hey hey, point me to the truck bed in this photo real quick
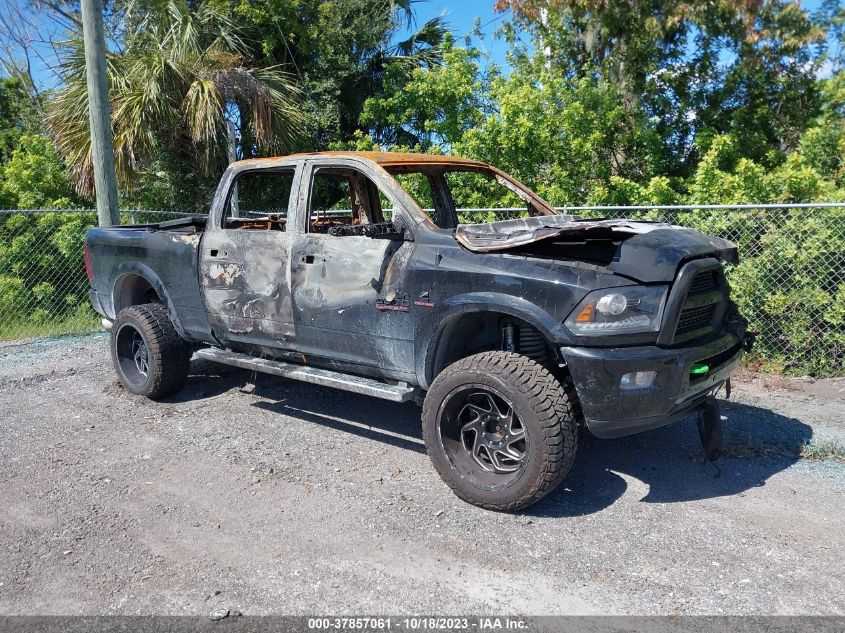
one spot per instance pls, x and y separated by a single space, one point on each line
164 254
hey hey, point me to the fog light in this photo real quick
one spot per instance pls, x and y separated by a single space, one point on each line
637 380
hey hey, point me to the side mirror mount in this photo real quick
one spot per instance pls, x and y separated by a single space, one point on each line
402 232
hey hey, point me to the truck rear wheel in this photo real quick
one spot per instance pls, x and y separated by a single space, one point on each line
500 430
149 356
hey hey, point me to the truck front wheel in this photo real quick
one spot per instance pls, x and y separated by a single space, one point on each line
149 356
500 430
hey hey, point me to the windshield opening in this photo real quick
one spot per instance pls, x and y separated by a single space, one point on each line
453 195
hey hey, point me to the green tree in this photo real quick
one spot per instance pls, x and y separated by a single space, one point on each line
563 136
178 82
823 145
698 69
431 108
35 177
340 50
17 116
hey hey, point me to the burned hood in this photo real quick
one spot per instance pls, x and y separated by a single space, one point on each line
646 251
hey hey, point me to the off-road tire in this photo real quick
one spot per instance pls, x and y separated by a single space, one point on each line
547 414
168 355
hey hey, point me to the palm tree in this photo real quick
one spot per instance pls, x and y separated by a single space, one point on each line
180 81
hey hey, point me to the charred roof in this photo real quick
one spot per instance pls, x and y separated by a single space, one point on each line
384 159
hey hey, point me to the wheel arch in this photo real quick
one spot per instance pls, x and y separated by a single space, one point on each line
132 283
462 314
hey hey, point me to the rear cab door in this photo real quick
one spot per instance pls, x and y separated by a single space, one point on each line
246 250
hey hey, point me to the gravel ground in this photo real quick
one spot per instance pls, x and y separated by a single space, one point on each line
276 497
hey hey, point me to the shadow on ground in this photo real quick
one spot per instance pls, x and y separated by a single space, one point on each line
669 460
207 380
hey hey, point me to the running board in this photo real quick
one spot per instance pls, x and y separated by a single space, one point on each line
400 392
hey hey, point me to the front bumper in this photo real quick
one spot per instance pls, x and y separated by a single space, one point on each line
610 411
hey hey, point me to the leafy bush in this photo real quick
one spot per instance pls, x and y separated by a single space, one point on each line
34 177
790 282
42 276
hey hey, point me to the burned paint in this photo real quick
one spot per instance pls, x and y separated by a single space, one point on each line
223 275
247 293
342 297
192 239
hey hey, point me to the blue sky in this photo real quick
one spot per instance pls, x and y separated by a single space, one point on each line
460 16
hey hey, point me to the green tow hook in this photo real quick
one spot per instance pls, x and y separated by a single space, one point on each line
699 369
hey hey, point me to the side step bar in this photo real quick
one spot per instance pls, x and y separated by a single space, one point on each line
400 392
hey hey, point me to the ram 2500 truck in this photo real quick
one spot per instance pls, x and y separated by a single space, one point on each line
359 271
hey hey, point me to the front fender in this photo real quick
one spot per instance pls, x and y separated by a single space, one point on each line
453 308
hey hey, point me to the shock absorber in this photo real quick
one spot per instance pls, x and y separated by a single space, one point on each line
532 344
508 338
524 339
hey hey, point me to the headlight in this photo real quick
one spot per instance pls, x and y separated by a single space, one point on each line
619 310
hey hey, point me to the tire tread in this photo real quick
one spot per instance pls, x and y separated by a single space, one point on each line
169 354
552 407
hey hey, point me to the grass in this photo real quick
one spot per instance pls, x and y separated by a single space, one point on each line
814 450
823 450
72 324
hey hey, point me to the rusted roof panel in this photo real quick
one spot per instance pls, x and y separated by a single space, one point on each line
385 159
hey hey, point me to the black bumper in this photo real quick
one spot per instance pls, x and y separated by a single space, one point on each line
610 411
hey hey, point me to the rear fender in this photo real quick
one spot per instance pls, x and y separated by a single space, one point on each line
146 273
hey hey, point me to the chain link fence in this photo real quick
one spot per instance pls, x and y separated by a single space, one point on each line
43 285
790 282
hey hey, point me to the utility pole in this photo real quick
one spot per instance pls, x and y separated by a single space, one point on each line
102 150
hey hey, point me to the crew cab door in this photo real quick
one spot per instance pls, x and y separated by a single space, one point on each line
348 272
244 267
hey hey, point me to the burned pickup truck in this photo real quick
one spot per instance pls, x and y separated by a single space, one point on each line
361 271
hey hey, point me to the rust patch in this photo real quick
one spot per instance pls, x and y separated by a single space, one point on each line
223 274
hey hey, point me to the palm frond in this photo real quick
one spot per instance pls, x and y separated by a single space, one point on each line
174 81
424 46
285 98
406 7
275 102
203 112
